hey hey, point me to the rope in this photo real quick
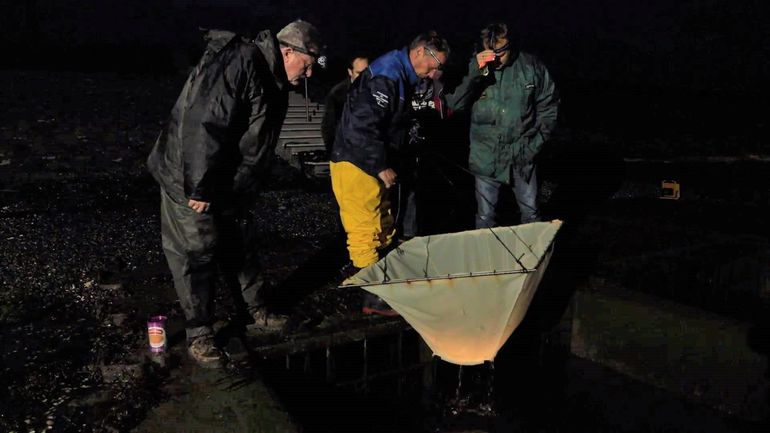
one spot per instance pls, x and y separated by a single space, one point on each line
517 259
484 197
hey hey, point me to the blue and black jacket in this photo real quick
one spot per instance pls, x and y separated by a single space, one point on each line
375 119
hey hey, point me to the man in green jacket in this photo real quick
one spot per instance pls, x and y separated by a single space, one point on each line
514 105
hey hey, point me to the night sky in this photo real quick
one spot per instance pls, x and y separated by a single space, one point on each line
703 56
701 44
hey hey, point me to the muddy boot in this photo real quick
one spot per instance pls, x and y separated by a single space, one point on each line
203 350
267 322
373 304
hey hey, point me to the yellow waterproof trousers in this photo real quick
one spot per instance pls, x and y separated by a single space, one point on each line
365 212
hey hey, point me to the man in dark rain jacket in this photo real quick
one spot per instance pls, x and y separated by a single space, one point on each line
208 162
364 161
335 100
514 108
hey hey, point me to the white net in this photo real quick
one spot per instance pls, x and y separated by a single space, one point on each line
465 292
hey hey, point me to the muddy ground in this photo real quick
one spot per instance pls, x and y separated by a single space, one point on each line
81 268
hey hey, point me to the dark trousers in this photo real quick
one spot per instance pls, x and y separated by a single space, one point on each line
406 198
488 193
409 221
197 247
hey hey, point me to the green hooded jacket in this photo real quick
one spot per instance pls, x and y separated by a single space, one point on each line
513 112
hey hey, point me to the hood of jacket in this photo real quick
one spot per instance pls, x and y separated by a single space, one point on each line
268 44
265 41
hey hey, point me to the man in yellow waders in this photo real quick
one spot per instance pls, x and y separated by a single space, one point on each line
365 156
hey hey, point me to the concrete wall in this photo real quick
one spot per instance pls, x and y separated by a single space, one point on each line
702 356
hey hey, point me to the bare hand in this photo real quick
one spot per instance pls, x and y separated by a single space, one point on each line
198 206
388 176
485 57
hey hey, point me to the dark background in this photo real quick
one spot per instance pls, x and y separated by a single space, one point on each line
85 86
689 67
692 68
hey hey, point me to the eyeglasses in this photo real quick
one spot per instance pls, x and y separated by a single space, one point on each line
320 60
307 66
502 49
440 65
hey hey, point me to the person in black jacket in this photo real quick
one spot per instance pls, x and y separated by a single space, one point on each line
429 110
365 157
336 100
208 162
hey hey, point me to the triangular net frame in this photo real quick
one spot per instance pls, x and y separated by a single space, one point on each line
464 293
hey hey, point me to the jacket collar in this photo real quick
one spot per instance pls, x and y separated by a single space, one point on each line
396 66
403 57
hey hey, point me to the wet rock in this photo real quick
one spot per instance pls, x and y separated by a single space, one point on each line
236 350
118 319
93 399
120 372
111 276
161 360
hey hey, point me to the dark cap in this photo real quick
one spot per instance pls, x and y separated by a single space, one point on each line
303 37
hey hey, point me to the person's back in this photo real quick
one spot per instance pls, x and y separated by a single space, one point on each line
199 154
374 119
335 101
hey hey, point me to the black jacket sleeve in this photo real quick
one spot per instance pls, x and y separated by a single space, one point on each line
258 142
234 112
370 112
469 90
547 104
546 113
205 133
335 101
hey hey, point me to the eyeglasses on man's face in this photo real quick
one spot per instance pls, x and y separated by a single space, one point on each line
500 51
307 63
439 65
315 58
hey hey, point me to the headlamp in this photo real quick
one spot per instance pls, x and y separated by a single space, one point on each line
502 49
319 60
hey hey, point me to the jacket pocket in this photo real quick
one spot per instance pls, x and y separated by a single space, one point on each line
483 112
527 102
